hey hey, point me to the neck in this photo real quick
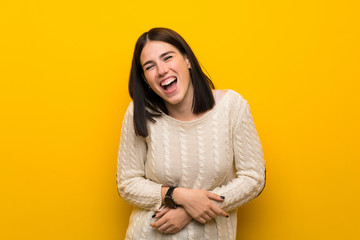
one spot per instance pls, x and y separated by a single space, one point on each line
183 113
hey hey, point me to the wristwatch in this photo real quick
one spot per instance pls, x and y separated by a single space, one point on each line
169 201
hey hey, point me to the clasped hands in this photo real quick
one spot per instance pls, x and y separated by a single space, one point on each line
193 204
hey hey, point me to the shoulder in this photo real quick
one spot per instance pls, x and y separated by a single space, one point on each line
127 120
235 102
232 97
130 110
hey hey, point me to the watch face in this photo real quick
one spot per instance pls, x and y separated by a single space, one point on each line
169 202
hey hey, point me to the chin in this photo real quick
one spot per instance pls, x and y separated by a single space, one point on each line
174 101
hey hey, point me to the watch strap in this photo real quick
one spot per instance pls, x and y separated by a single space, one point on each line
170 191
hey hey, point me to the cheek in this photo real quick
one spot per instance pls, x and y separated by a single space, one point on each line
148 78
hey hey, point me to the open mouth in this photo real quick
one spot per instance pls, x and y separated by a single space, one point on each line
169 84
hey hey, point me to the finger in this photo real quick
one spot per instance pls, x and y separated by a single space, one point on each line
207 218
201 220
158 223
172 230
169 230
215 197
212 214
163 228
162 212
219 211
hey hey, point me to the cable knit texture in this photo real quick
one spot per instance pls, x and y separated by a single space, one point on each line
219 152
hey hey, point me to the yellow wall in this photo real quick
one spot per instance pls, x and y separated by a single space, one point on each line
64 67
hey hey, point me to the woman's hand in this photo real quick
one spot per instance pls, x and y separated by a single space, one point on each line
198 203
171 220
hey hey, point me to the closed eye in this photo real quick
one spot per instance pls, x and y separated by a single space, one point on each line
148 67
168 57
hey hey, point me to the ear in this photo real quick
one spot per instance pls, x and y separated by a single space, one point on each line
187 62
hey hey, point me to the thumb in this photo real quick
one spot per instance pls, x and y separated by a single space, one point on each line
214 196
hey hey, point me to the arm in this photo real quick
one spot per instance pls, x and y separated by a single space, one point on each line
197 203
132 185
171 221
249 164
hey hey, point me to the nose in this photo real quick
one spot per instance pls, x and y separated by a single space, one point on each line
162 68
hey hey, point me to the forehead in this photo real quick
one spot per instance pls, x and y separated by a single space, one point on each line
153 49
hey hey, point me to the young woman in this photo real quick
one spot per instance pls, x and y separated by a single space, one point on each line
188 155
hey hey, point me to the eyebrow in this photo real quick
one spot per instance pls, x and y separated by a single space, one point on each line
161 56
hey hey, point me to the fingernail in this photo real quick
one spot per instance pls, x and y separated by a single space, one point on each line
227 216
222 197
153 215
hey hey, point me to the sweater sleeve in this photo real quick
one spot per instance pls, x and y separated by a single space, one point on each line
132 185
249 163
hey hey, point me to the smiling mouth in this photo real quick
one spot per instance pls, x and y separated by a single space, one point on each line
169 83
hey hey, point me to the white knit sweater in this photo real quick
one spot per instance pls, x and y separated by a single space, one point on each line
218 152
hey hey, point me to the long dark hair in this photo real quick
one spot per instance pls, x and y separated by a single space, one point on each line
147 104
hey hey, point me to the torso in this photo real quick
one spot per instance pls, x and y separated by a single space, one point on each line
192 154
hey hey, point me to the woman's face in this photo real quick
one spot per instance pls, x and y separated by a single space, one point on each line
166 71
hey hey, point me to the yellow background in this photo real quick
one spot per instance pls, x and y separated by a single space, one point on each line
64 67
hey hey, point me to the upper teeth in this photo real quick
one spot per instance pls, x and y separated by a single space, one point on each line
168 81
